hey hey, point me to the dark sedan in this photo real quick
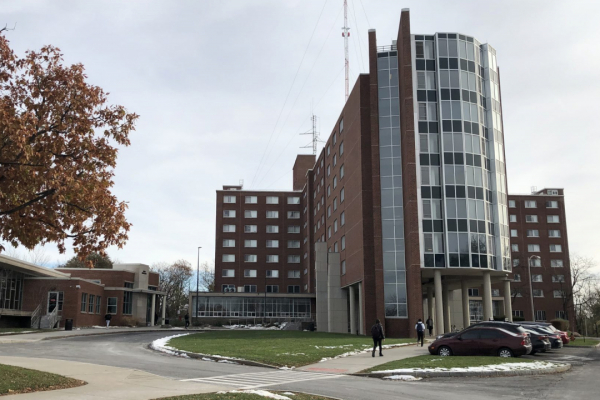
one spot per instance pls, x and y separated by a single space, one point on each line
483 341
539 341
554 338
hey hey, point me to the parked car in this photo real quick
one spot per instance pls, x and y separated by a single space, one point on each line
509 326
563 335
539 341
555 339
483 341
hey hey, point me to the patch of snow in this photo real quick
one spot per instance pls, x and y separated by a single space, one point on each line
365 350
289 393
10 333
226 362
262 393
207 359
484 368
407 378
287 368
256 327
161 345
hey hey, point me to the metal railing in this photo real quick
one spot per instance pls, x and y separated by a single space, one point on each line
36 317
53 318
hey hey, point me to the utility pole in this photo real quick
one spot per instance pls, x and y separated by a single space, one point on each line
315 135
197 283
531 285
346 34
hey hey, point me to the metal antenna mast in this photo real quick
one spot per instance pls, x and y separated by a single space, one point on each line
315 135
346 34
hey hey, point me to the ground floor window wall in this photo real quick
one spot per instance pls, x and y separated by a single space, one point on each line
476 309
11 289
251 307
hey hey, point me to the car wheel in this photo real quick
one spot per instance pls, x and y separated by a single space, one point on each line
533 352
444 351
505 352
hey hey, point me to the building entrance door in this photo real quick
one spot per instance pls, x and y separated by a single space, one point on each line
52 302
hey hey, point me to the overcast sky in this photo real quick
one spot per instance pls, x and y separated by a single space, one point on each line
209 80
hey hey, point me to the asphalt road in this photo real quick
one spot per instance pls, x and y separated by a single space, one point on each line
130 351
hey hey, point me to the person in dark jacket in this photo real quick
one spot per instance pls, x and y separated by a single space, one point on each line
107 318
187 320
429 324
420 328
378 337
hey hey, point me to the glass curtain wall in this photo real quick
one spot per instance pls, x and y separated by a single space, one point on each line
11 289
251 307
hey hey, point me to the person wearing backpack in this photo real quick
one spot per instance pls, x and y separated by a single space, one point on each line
378 337
420 327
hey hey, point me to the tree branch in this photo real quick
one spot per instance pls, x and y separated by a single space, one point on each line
41 196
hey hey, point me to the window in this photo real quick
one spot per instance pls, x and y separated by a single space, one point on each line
531 218
329 232
228 273
341 149
342 195
111 305
334 182
272 200
294 274
91 304
558 278
293 200
556 263
335 247
513 218
516 262
552 219
250 243
473 292
98 303
272 229
293 244
228 242
495 292
293 288
328 170
228 213
249 273
514 247
533 248
342 219
343 240
293 229
535 262
555 233
272 288
536 278
344 267
342 172
511 204
228 288
517 278
293 259
555 248
518 313
251 199
83 302
328 211
516 293
250 257
341 126
229 228
272 214
335 225
250 229
228 258
552 192
272 273
552 204
540 315
513 233
272 244
328 149
250 214
250 288
533 233
538 293
127 303
530 204
229 199
128 285
334 160
293 214
273 258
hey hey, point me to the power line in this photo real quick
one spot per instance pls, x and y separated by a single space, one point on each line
288 94
278 179
365 11
358 37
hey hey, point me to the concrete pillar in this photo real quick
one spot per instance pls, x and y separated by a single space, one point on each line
337 298
152 310
351 293
439 309
507 303
446 301
164 310
361 325
466 311
487 296
430 303
321 286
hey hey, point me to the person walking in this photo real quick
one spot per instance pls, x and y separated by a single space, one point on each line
187 320
420 327
107 318
429 324
378 337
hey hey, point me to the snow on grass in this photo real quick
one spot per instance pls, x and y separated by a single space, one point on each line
535 365
408 378
161 345
258 327
367 349
262 393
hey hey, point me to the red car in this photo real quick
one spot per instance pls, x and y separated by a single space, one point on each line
485 341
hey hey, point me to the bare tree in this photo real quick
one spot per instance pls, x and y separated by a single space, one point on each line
174 280
207 277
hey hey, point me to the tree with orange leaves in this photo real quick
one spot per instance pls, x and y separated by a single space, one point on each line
58 139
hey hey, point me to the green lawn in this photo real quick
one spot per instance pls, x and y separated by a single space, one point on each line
279 348
579 342
21 380
443 362
242 396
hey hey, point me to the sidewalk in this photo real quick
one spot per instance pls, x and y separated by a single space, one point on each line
105 382
360 362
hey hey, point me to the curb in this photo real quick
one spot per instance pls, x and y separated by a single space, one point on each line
105 333
474 374
203 357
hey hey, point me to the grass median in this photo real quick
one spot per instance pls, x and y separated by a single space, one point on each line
423 362
579 342
279 348
246 396
15 380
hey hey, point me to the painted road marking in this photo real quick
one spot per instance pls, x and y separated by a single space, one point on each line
254 380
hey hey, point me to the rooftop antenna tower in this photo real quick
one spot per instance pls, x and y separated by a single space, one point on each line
315 135
346 34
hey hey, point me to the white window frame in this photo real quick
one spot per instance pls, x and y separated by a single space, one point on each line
251 200
229 199
228 273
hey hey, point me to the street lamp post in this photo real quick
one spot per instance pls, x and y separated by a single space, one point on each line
531 284
197 283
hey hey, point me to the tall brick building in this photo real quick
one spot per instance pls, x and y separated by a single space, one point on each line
403 211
